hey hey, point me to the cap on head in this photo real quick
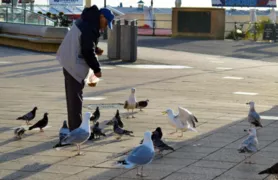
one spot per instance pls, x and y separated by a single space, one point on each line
109 16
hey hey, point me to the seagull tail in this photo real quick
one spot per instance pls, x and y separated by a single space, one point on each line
196 119
60 145
125 164
264 171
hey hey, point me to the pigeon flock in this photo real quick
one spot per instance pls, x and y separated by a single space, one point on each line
152 142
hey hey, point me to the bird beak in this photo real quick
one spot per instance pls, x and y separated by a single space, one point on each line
164 112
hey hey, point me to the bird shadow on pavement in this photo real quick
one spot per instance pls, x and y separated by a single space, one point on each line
27 171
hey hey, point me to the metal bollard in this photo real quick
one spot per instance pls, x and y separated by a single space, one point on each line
129 41
114 41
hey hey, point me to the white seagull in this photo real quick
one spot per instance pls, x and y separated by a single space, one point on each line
80 135
141 155
131 102
182 121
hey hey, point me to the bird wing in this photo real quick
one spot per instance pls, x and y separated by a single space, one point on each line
254 116
187 118
119 131
140 155
76 136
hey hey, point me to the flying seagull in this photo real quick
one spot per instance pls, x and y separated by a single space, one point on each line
182 121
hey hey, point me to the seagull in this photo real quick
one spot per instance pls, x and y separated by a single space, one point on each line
41 123
253 117
131 102
18 132
140 156
64 132
117 118
142 104
272 170
29 116
157 141
79 135
182 121
251 143
95 116
120 132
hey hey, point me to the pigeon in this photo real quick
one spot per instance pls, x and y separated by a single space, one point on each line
253 117
140 156
117 118
157 141
131 102
182 121
95 116
18 132
64 131
29 116
41 123
272 170
142 104
250 144
120 132
96 132
79 135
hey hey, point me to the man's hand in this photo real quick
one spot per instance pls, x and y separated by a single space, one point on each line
99 51
98 74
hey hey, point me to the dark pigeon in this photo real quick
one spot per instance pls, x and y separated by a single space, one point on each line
95 115
29 116
41 123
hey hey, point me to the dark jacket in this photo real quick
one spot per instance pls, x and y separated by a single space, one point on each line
88 24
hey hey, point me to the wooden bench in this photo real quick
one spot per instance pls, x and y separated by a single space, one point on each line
33 37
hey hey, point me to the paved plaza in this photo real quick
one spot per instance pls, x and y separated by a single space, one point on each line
213 87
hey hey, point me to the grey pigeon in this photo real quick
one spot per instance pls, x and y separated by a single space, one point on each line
79 135
142 104
96 132
253 117
157 141
117 118
64 132
272 170
119 131
29 116
18 132
41 123
95 115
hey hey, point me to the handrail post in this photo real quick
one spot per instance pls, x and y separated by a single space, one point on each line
7 14
24 14
153 27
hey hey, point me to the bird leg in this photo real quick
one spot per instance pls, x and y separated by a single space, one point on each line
132 113
181 134
174 132
78 151
127 113
41 130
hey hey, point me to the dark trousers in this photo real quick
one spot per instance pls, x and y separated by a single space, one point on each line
74 98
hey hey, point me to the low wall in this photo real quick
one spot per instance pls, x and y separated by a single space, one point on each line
33 37
205 23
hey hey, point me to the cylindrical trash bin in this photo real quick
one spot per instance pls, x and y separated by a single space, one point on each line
114 41
129 41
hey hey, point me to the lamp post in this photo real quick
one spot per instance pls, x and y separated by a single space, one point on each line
153 18
105 30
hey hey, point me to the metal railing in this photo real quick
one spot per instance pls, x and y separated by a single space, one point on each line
244 31
23 16
154 27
